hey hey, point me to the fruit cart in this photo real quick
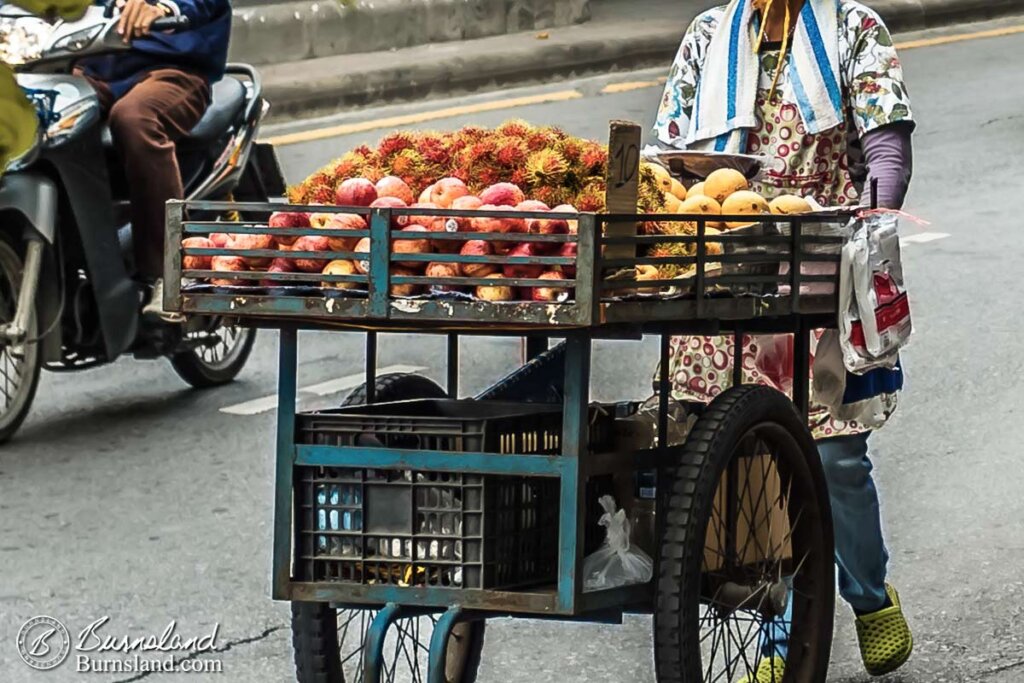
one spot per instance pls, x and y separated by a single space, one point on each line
410 515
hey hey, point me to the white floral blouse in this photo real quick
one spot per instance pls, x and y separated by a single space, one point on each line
827 166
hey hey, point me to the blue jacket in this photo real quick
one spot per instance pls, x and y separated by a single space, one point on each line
202 49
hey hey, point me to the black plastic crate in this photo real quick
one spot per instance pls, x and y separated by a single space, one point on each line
417 528
411 528
440 424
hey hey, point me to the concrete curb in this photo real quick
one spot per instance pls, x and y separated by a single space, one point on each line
305 29
330 85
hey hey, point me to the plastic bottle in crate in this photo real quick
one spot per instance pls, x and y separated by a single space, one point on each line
642 520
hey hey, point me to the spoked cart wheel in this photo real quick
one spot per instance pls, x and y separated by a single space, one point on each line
329 641
747 539
329 645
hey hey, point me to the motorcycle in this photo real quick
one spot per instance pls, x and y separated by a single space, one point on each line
68 300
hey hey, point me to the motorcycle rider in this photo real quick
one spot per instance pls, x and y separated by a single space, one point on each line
153 95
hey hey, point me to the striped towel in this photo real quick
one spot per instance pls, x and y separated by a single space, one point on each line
727 90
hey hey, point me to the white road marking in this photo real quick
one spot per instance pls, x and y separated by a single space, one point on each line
923 237
253 407
267 403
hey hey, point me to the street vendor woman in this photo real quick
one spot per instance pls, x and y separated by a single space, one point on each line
816 88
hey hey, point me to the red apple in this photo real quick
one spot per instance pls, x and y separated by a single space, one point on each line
220 239
356 192
397 222
311 243
393 186
197 262
443 270
495 224
278 265
363 247
431 223
523 270
477 248
242 241
566 208
456 224
344 221
548 226
320 220
532 205
403 290
447 190
503 194
497 291
290 221
400 246
228 264
550 293
568 250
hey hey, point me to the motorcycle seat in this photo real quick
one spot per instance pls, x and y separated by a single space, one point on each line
227 98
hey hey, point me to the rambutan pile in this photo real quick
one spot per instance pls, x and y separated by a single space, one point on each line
544 161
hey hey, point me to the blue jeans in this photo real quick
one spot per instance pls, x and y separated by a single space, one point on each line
861 557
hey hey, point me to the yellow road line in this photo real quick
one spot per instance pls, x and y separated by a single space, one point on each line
561 96
960 37
628 86
421 117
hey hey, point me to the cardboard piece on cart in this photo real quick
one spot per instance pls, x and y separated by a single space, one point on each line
623 186
761 498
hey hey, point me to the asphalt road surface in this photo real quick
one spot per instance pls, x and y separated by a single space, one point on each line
128 495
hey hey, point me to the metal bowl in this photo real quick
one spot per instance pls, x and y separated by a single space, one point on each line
688 164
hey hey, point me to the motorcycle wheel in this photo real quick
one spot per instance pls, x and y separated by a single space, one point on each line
217 360
19 363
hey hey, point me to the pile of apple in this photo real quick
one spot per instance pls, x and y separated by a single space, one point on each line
393 192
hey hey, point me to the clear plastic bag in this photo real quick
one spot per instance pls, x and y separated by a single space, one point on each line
617 562
874 309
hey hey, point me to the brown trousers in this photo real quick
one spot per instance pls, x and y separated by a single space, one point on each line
145 124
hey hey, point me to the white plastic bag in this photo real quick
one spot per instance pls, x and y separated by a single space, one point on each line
829 386
617 562
874 309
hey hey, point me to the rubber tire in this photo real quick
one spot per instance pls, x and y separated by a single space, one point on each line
693 484
315 624
193 370
14 424
397 386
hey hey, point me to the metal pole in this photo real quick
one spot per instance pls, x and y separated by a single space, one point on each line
286 390
371 367
453 366
439 645
737 356
802 368
373 651
575 447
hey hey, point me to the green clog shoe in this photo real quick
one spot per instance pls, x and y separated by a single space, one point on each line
884 637
768 671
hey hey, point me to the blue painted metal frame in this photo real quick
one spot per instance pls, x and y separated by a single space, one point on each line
373 650
283 520
439 645
566 600
441 461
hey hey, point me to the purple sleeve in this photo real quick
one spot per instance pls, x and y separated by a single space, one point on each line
890 160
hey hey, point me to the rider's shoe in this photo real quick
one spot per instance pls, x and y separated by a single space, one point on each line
885 638
770 670
155 307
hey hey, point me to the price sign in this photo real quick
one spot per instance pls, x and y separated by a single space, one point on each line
623 183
